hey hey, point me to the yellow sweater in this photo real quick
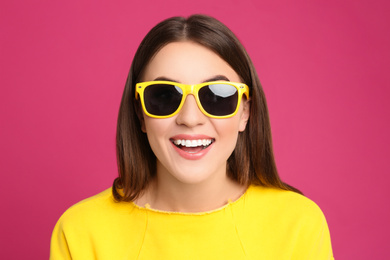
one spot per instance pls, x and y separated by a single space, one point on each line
264 223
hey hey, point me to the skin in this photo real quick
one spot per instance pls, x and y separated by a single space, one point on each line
183 184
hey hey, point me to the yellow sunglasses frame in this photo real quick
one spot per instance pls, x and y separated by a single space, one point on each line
193 90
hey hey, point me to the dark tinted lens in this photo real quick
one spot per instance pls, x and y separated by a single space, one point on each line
162 99
219 99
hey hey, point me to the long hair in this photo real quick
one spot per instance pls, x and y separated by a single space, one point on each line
252 161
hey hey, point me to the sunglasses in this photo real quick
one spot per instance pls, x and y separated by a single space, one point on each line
217 99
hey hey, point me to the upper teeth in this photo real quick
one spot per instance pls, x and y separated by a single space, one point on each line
192 143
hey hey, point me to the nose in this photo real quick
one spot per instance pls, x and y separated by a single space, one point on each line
190 114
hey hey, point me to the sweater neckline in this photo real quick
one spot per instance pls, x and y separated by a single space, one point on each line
229 203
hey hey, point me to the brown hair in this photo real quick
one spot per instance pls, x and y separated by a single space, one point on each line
252 161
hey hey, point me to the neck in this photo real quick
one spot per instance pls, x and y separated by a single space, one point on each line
184 197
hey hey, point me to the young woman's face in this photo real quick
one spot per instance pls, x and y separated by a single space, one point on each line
190 63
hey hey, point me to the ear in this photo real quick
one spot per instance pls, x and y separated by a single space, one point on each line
245 115
140 115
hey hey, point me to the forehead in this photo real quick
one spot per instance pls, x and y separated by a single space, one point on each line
187 62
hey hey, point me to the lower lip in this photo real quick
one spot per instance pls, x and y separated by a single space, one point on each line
192 156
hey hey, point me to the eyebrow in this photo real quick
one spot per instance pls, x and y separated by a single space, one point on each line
214 78
164 79
217 78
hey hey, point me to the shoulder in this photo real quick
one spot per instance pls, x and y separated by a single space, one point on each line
284 214
284 219
279 197
96 225
283 204
93 203
91 210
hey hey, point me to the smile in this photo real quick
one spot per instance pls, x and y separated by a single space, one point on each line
192 147
204 143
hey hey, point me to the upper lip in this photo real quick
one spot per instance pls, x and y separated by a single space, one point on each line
190 137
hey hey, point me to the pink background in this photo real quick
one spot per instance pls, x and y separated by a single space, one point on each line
324 67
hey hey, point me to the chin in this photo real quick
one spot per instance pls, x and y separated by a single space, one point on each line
193 176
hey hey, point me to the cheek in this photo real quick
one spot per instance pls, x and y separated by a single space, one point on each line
153 124
154 132
228 129
157 131
150 127
228 135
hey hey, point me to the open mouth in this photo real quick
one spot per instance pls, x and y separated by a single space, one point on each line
192 146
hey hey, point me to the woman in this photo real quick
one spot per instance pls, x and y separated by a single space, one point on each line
197 177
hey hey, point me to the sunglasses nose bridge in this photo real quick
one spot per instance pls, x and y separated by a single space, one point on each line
189 90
